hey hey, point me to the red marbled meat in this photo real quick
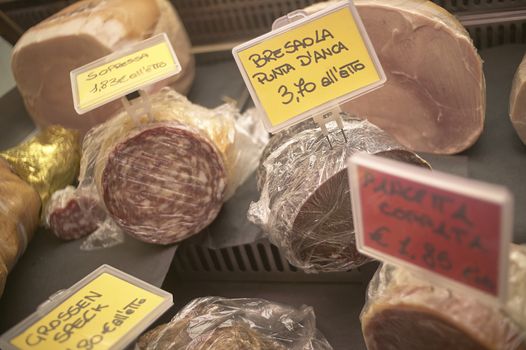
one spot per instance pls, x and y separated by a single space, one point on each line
164 183
72 215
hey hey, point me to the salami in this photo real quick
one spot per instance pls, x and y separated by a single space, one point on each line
432 102
160 177
305 205
72 215
404 312
164 183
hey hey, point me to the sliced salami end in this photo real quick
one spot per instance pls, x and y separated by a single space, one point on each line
72 215
164 183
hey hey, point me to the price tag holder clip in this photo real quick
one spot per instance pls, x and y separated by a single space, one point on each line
334 115
288 19
137 104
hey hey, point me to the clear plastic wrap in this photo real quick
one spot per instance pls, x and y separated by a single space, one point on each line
215 323
407 313
162 177
251 138
305 204
432 102
19 218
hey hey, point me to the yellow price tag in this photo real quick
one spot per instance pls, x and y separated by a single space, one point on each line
123 72
309 66
107 312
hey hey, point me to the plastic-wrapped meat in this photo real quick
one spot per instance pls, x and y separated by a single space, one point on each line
305 204
72 215
237 336
518 101
214 323
79 34
434 99
404 312
163 177
159 177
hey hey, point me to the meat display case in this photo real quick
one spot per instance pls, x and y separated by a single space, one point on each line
256 268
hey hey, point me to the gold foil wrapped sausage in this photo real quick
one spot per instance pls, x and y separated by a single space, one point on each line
48 161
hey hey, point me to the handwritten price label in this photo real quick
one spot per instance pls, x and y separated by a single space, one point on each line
309 65
455 230
108 312
123 72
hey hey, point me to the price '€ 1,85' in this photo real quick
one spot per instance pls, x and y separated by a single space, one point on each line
321 60
451 227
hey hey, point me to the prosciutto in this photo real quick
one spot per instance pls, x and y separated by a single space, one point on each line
434 99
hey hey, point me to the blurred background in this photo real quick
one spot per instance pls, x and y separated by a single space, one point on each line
6 78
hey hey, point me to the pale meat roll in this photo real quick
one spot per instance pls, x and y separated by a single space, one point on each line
79 34
434 99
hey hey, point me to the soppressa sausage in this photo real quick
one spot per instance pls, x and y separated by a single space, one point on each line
164 183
